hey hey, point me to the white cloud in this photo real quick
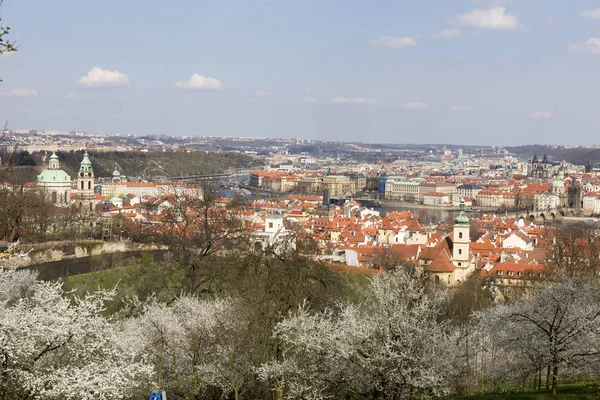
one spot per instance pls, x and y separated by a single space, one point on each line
591 46
494 18
393 42
461 107
21 92
541 115
590 14
103 78
355 100
309 100
446 33
413 106
199 82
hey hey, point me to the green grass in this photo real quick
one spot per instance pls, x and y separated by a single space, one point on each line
91 282
584 391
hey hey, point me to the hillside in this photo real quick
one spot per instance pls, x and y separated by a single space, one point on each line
576 155
144 165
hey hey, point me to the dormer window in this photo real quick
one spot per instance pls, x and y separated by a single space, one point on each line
521 273
511 273
500 273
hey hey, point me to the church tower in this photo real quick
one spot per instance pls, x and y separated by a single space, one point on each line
558 185
462 239
85 185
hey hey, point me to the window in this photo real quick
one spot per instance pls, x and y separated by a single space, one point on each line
511 273
460 235
500 273
270 224
81 185
459 251
89 184
54 197
521 273
460 264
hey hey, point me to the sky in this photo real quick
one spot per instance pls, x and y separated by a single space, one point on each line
481 72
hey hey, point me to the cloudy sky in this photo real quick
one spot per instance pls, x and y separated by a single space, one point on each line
397 71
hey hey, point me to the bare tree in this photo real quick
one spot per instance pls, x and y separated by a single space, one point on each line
574 251
6 45
560 319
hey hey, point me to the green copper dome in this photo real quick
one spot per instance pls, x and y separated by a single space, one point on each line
54 176
461 218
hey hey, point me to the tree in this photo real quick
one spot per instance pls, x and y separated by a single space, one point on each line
574 251
6 45
57 348
193 345
388 258
560 319
471 296
390 347
197 232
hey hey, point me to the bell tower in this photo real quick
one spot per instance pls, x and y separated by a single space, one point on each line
462 239
85 185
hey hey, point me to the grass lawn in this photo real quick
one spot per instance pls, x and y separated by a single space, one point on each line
583 391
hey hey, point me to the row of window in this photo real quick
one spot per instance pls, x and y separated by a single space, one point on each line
519 274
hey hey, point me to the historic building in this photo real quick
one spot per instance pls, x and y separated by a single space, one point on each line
58 185
451 261
55 183
540 169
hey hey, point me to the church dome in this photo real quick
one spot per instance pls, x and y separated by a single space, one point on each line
54 176
116 173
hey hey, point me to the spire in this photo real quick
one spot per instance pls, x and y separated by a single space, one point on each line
545 159
534 159
461 218
86 164
53 161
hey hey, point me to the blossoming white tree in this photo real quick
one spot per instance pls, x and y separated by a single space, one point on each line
193 345
54 347
390 347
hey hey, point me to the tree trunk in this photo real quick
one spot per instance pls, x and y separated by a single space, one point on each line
554 381
548 378
539 380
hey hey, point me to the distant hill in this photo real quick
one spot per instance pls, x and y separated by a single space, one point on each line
577 155
136 164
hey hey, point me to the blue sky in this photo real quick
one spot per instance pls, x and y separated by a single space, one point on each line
420 71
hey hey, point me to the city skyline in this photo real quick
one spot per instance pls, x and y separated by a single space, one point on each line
465 72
